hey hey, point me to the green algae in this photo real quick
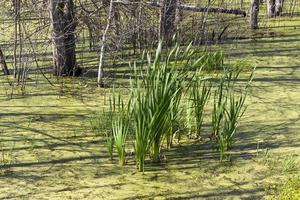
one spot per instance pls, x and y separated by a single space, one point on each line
48 150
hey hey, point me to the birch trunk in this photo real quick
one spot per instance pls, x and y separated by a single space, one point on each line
103 44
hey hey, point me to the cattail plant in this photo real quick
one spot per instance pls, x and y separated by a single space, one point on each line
145 121
220 99
175 113
161 99
156 100
120 126
120 131
228 110
212 61
233 112
226 82
161 89
175 109
200 92
110 144
113 106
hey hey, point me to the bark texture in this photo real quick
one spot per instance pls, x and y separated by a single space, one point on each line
167 21
278 7
63 37
271 8
254 14
274 8
3 63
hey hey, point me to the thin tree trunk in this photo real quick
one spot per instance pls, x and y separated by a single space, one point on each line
178 19
117 20
271 8
134 21
35 54
3 63
89 26
20 34
203 24
103 44
278 7
167 21
254 14
16 20
292 7
140 40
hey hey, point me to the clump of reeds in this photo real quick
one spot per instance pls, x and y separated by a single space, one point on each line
228 108
199 96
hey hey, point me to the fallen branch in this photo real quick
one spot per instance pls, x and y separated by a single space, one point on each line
205 9
190 8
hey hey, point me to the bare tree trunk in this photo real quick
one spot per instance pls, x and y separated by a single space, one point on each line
292 7
201 36
3 63
271 8
63 37
57 20
117 20
87 22
134 21
69 35
20 34
167 21
278 7
103 44
71 67
16 6
254 14
178 22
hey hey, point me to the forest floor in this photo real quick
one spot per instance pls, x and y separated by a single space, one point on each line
47 150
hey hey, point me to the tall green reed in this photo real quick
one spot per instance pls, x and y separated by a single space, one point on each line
199 96
220 99
120 126
174 118
229 107
156 100
233 112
